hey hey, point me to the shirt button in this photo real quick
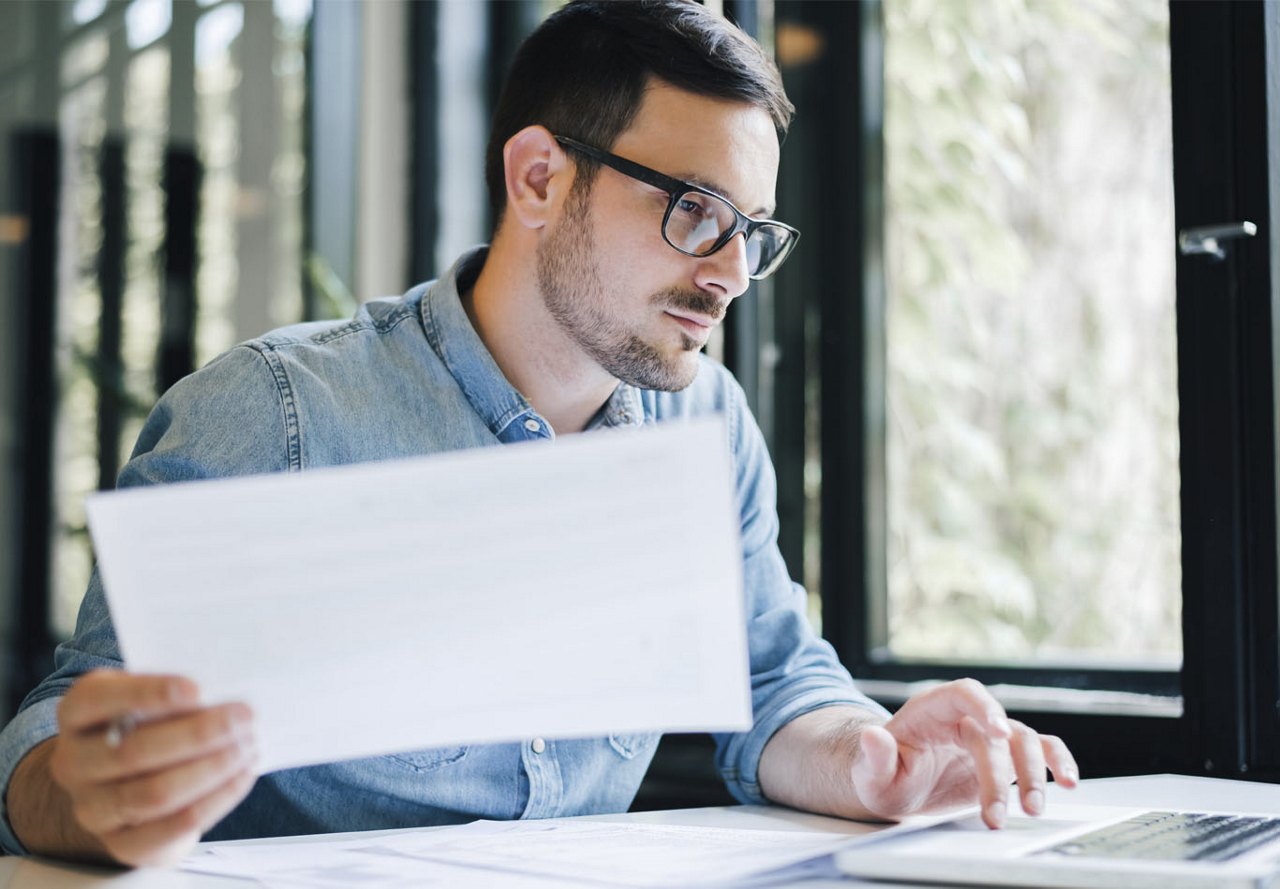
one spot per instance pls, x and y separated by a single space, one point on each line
538 745
533 426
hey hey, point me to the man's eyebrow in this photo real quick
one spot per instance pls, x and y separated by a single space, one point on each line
724 193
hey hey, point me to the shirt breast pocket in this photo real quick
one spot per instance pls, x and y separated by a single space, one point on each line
631 746
429 760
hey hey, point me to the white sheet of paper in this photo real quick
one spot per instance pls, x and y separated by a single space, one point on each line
536 853
639 855
322 864
568 589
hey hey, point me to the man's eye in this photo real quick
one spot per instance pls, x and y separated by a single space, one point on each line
691 208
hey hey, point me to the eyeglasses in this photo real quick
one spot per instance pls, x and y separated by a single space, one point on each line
699 222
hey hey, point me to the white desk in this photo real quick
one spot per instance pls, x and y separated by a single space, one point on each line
1154 790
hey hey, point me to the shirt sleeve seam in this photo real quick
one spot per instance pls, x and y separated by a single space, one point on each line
288 403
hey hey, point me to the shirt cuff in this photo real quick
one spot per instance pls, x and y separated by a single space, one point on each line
743 780
36 723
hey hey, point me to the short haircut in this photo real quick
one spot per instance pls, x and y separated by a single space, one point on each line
583 74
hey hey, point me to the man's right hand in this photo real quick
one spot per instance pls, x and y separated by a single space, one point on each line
142 797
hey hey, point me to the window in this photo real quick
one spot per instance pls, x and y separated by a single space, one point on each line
1031 417
156 161
1039 441
147 227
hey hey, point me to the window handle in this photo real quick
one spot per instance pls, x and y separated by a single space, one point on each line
1206 239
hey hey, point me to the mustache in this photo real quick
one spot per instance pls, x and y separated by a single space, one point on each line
695 301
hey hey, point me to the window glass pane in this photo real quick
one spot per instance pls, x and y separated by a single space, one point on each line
85 58
82 12
146 119
288 165
147 21
250 127
1032 398
75 460
249 90
218 137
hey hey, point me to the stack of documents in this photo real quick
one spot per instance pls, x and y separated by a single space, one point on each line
539 855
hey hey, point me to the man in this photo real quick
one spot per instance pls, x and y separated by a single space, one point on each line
632 165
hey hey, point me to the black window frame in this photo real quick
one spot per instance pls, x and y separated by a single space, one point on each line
1230 680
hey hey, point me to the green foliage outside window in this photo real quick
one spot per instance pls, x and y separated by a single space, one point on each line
1032 394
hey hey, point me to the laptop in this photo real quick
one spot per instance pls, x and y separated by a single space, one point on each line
1083 846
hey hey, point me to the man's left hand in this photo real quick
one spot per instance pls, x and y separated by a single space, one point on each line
950 746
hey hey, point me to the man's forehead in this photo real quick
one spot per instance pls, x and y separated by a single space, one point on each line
724 146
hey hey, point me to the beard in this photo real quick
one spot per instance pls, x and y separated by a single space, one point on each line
575 297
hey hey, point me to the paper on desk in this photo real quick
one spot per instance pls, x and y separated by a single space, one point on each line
571 589
521 854
325 864
617 854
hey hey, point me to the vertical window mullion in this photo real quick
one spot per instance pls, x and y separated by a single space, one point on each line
824 177
37 180
1255 32
1222 396
425 161
111 264
181 184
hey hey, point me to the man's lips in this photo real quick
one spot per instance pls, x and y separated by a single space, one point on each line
694 323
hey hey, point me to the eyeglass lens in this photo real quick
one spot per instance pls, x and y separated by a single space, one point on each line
698 221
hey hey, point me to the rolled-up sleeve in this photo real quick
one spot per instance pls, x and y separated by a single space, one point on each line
92 647
793 671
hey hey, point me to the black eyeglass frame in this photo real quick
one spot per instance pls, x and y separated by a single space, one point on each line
676 189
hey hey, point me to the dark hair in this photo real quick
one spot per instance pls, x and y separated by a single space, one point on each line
583 73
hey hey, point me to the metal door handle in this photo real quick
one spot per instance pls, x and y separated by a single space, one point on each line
1206 239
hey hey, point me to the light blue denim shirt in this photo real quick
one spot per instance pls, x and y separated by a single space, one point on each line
406 377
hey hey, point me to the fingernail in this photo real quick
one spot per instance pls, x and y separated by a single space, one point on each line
1071 775
1033 802
995 814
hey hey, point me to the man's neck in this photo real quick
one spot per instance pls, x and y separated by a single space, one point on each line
545 365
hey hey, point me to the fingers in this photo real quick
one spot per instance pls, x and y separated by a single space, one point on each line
160 744
1026 755
992 768
158 795
1060 761
167 840
952 744
103 695
148 793
1033 754
876 764
1029 765
947 705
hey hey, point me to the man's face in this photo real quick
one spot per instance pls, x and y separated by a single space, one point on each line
636 306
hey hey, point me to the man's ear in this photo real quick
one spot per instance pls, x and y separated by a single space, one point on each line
538 175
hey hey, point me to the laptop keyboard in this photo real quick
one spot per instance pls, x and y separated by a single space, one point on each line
1173 836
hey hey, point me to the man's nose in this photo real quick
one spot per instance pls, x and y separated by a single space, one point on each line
726 269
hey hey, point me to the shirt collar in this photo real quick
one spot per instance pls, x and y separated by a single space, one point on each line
506 412
623 408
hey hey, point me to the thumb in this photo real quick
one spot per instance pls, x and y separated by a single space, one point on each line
876 762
